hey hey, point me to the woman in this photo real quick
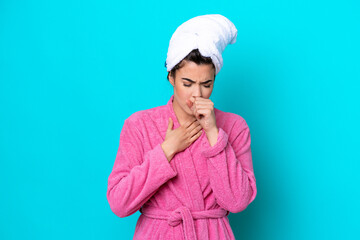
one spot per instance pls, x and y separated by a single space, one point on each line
186 165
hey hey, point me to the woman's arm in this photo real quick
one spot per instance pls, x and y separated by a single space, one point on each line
136 175
230 168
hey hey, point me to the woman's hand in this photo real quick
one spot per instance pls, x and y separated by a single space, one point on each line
203 110
179 139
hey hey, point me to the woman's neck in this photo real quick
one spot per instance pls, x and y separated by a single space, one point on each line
181 115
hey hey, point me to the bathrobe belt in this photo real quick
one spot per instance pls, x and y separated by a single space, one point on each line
184 214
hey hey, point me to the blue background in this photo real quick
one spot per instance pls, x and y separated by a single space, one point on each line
71 72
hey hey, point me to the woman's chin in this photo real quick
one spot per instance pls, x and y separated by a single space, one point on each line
190 113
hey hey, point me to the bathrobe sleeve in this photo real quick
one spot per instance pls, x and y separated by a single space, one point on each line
230 168
136 175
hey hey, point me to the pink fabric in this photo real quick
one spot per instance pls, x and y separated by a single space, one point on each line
198 188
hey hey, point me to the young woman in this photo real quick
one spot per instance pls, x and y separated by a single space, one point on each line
186 165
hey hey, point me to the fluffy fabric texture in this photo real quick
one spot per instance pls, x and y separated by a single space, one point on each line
209 33
190 197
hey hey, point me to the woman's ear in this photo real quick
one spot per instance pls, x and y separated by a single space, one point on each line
171 80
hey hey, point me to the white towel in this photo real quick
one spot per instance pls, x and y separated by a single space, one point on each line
209 33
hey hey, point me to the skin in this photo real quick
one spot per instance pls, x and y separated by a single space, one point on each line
193 108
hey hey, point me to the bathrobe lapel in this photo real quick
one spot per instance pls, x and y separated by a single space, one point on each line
190 193
192 184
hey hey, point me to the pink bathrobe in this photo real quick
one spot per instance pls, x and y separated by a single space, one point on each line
190 197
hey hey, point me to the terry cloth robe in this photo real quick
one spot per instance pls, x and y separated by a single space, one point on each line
190 197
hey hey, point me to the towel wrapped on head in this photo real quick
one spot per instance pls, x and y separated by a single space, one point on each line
209 33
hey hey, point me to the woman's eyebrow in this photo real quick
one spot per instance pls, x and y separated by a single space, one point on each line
194 81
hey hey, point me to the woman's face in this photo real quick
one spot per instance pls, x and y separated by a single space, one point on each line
192 80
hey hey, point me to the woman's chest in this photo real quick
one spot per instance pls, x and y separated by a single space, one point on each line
189 163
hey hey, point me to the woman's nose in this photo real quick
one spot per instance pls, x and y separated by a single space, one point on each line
197 91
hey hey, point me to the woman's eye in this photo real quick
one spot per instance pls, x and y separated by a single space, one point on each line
189 85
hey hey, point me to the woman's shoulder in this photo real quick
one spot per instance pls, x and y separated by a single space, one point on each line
229 119
145 115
